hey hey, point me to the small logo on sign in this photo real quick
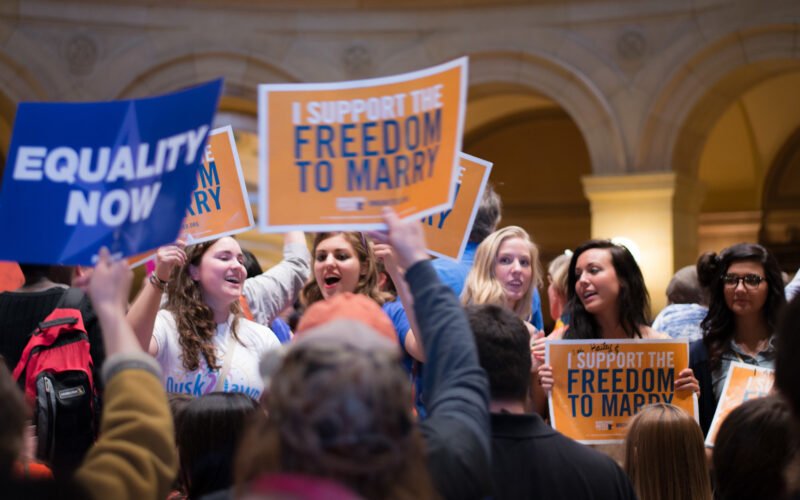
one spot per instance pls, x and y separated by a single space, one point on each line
351 204
603 425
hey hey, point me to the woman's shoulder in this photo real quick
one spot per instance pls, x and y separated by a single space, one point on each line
255 332
650 334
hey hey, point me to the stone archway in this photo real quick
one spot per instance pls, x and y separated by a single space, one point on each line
694 99
570 90
242 75
780 219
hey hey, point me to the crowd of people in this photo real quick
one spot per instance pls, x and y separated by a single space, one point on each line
405 377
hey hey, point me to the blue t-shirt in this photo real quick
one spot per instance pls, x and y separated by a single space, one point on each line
281 330
454 274
397 314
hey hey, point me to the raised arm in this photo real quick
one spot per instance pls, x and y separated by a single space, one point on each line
412 345
278 287
135 455
455 386
143 311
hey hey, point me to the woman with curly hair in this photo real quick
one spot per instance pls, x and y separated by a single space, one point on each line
747 295
200 337
505 273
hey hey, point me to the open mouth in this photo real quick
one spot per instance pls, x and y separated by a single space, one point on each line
332 280
233 279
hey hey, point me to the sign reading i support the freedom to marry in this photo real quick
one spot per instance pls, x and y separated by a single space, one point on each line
448 231
332 155
744 382
117 174
219 204
599 385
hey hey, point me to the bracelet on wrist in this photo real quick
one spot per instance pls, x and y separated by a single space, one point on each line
158 282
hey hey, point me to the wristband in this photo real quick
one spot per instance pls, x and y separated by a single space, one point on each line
157 282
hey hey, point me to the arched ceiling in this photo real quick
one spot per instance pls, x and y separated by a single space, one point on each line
744 142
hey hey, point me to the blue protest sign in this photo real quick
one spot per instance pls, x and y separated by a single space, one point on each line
118 174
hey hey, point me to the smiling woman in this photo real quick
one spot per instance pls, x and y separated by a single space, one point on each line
505 272
200 338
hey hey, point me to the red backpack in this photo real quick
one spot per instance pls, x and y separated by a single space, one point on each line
55 371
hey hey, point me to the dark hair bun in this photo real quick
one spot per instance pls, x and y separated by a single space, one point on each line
707 268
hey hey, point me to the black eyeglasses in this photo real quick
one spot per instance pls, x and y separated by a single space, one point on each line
750 281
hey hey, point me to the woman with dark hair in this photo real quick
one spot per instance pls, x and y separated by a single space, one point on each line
606 299
200 338
210 430
746 297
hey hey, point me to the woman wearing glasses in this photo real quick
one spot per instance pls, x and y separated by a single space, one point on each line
746 297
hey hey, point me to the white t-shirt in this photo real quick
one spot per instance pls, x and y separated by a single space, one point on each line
243 376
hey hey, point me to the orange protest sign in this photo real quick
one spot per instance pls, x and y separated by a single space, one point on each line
744 382
601 384
220 205
447 232
332 155
11 276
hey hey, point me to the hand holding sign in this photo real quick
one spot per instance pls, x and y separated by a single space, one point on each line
406 237
167 257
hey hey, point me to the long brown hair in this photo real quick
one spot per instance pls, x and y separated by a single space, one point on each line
193 318
367 281
664 455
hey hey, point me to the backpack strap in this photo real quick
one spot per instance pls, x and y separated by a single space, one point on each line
72 299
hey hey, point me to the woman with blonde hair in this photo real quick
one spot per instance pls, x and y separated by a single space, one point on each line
557 272
505 272
664 455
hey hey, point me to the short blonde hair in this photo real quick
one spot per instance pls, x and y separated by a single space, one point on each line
558 269
482 286
665 456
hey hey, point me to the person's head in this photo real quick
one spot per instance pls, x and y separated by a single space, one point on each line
753 446
13 415
557 273
744 281
251 264
209 284
34 273
211 428
604 279
343 262
505 271
684 288
665 455
787 356
787 375
339 406
350 306
503 344
488 215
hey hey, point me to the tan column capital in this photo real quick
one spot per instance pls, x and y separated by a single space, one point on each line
657 211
